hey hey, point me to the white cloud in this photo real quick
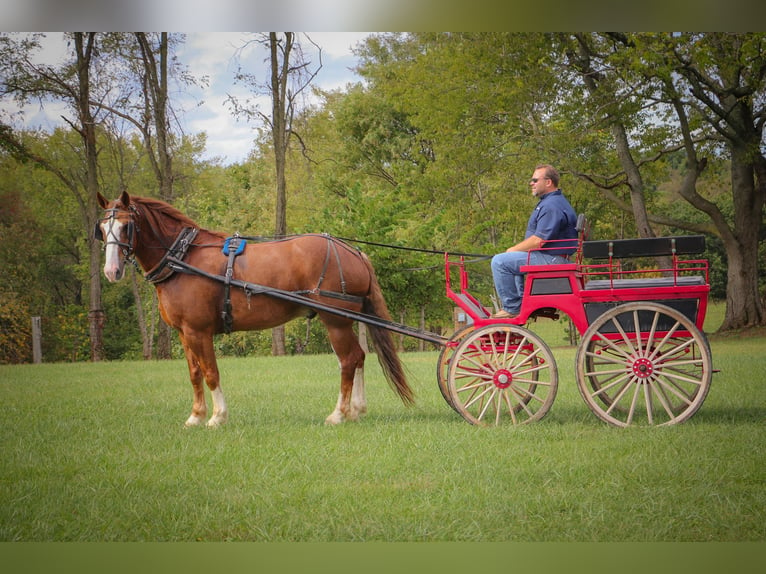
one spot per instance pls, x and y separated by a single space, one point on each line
218 56
337 44
215 55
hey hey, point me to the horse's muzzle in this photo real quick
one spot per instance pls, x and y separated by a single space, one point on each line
113 272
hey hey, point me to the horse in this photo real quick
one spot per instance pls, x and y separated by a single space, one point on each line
198 300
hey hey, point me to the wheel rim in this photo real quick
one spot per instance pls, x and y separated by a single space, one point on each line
643 363
502 374
446 354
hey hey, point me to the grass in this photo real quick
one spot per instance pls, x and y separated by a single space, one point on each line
98 452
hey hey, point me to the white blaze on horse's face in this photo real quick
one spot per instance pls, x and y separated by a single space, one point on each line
112 231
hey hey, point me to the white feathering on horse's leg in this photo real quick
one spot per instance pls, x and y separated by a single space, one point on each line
220 412
358 399
336 417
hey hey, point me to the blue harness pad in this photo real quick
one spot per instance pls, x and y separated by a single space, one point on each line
240 246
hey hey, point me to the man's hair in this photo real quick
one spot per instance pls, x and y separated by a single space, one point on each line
550 173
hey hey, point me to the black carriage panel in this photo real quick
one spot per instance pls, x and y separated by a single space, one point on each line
644 247
551 286
594 310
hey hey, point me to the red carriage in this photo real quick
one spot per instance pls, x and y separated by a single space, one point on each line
642 358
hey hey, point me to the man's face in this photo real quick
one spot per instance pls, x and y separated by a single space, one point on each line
539 183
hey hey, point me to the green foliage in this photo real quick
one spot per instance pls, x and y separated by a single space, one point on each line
15 329
432 151
66 336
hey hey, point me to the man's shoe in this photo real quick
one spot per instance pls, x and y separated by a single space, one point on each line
503 314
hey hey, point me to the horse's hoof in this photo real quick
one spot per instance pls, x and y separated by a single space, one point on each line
352 416
215 422
359 409
334 419
193 421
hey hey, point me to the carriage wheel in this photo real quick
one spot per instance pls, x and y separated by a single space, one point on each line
643 363
445 356
502 374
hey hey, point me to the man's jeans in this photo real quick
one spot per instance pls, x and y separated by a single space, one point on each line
509 281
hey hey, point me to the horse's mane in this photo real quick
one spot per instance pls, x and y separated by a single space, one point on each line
154 210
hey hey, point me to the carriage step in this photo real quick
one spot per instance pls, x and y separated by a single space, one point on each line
545 313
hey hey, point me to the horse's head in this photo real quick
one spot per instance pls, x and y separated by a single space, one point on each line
117 229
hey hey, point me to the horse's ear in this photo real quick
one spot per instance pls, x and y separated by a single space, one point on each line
102 201
125 199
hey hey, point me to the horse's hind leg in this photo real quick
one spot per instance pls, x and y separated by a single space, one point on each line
351 399
203 367
358 400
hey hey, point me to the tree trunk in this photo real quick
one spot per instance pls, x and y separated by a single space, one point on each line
744 307
156 90
280 136
636 186
146 343
84 47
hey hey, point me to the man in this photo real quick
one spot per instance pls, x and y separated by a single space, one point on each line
552 219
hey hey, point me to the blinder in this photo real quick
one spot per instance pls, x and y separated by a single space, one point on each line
130 229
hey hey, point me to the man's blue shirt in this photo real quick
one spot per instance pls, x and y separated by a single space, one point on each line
554 218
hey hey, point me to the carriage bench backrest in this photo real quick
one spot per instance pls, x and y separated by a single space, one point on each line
644 247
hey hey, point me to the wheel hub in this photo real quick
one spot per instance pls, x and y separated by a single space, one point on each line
502 378
643 368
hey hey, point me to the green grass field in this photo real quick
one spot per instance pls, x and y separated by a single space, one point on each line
98 452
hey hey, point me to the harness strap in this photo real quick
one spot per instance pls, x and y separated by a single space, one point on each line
162 271
340 269
234 246
331 247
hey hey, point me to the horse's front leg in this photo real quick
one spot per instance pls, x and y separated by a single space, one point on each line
203 367
199 406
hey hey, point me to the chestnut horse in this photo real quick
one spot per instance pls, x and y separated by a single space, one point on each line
324 269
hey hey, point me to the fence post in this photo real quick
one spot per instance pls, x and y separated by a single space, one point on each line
37 335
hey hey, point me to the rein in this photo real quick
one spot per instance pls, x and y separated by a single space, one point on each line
267 238
477 256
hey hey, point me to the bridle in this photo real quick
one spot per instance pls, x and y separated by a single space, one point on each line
131 230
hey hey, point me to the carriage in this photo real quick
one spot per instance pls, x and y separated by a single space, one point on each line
642 359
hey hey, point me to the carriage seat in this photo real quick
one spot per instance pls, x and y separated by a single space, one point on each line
688 281
645 247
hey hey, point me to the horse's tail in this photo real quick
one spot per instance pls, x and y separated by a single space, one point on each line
375 304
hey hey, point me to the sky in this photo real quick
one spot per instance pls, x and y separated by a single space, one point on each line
213 55
218 55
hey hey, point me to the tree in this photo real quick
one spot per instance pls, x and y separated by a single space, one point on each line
705 95
290 75
72 83
116 89
147 66
725 75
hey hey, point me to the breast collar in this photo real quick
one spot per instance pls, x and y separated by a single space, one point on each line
161 272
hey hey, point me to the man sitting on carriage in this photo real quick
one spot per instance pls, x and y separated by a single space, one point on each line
552 223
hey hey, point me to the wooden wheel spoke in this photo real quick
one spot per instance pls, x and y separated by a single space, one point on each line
660 377
625 378
502 374
676 390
